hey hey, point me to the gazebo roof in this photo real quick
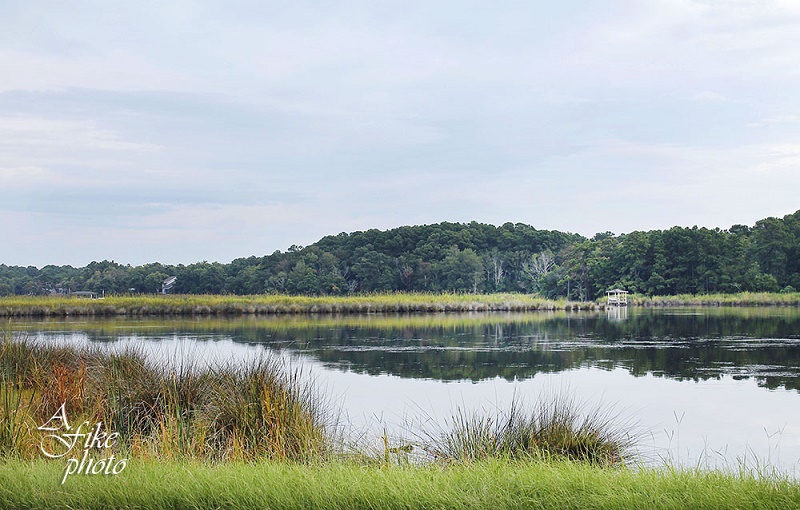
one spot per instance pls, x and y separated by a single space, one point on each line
616 291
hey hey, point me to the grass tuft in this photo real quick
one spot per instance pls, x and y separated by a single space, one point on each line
555 427
223 412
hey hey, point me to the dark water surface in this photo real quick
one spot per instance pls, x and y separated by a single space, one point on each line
711 386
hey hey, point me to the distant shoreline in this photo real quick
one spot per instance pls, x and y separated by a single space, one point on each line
269 304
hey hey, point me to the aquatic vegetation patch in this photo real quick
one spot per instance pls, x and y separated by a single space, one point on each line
260 409
274 304
556 426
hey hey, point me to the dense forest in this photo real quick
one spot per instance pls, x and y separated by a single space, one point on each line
472 257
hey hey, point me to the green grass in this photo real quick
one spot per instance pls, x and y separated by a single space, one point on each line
254 411
555 427
38 306
254 436
260 409
493 484
739 299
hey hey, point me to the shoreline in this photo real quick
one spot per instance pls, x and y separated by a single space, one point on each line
269 304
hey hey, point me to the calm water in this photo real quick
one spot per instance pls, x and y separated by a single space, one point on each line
711 387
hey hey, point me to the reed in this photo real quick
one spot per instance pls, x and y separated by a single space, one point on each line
260 410
738 299
555 427
15 423
263 409
268 304
274 304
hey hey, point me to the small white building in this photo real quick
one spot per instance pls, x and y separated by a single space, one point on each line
617 297
167 284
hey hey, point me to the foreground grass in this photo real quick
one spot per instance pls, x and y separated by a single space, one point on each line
253 437
260 409
493 484
555 427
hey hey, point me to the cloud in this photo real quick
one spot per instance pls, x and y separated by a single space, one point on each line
22 176
23 134
161 127
777 120
708 95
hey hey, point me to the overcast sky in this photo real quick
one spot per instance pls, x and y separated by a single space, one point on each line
187 131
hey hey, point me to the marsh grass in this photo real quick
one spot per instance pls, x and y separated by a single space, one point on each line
257 436
386 303
16 396
54 306
15 422
556 426
738 299
260 409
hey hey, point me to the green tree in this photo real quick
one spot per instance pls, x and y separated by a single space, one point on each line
374 271
773 243
461 271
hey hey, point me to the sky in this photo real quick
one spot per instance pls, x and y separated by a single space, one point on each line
185 131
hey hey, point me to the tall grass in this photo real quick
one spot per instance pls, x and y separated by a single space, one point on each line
178 422
37 306
261 409
269 304
555 427
738 299
15 423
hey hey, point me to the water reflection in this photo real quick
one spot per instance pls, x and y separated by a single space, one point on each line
680 344
708 367
617 313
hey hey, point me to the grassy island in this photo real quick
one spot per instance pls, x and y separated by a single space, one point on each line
144 305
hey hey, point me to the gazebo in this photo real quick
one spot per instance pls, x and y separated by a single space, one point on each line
617 297
168 284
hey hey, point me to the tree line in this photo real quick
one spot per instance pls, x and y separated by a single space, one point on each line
468 257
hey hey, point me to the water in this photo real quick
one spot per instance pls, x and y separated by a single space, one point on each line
706 387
